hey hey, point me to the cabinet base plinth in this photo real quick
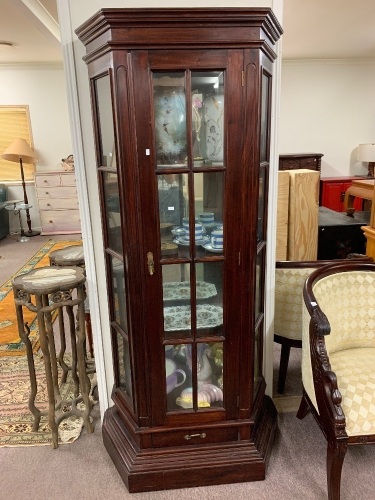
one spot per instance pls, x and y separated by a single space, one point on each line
190 466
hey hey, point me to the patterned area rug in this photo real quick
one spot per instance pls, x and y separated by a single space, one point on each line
10 343
16 419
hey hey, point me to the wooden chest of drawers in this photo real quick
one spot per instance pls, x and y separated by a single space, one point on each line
58 202
294 161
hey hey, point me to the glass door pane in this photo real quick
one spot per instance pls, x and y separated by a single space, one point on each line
105 121
207 98
191 217
170 119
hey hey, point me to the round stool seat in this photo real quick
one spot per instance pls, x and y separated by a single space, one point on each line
49 280
68 256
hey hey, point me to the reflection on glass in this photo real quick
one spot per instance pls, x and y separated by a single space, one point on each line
105 120
170 118
208 206
176 300
209 298
258 285
257 357
124 367
177 377
264 127
261 204
112 210
173 207
119 293
176 284
207 101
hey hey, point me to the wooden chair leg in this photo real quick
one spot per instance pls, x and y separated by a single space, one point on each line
303 409
335 457
283 368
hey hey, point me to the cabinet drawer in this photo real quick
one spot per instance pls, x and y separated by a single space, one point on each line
58 204
195 436
57 192
68 180
47 180
59 220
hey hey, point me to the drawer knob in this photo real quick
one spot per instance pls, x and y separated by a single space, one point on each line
192 436
45 180
50 221
48 204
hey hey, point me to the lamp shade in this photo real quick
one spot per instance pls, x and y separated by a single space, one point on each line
366 152
19 149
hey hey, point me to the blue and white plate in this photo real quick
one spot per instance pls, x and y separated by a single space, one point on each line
182 240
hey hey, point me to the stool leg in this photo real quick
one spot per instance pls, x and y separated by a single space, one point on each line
52 350
81 357
64 366
48 369
70 313
24 331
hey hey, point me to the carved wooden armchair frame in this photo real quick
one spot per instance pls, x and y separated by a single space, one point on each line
323 394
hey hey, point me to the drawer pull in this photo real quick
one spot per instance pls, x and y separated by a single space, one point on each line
191 436
50 221
48 204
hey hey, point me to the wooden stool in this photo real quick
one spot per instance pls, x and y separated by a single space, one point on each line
43 291
73 256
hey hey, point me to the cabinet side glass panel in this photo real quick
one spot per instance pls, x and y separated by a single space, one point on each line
123 368
111 208
262 203
119 293
105 121
170 118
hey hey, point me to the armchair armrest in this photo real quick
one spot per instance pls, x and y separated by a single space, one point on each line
322 389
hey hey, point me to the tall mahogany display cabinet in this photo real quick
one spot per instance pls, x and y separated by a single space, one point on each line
181 112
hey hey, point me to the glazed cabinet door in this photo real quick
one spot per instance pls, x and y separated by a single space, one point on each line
190 170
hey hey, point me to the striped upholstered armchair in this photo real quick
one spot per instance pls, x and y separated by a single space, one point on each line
338 359
290 277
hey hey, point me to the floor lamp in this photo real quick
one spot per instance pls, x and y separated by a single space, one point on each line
19 151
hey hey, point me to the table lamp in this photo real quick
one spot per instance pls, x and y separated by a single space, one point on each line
366 152
19 151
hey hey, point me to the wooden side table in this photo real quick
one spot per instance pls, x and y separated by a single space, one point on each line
359 188
43 291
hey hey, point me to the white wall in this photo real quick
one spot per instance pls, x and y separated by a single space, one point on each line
328 106
43 89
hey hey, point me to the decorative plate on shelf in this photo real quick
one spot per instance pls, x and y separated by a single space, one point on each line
181 240
181 290
179 317
168 248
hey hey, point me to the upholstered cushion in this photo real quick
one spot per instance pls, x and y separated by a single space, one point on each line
355 370
288 301
348 300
